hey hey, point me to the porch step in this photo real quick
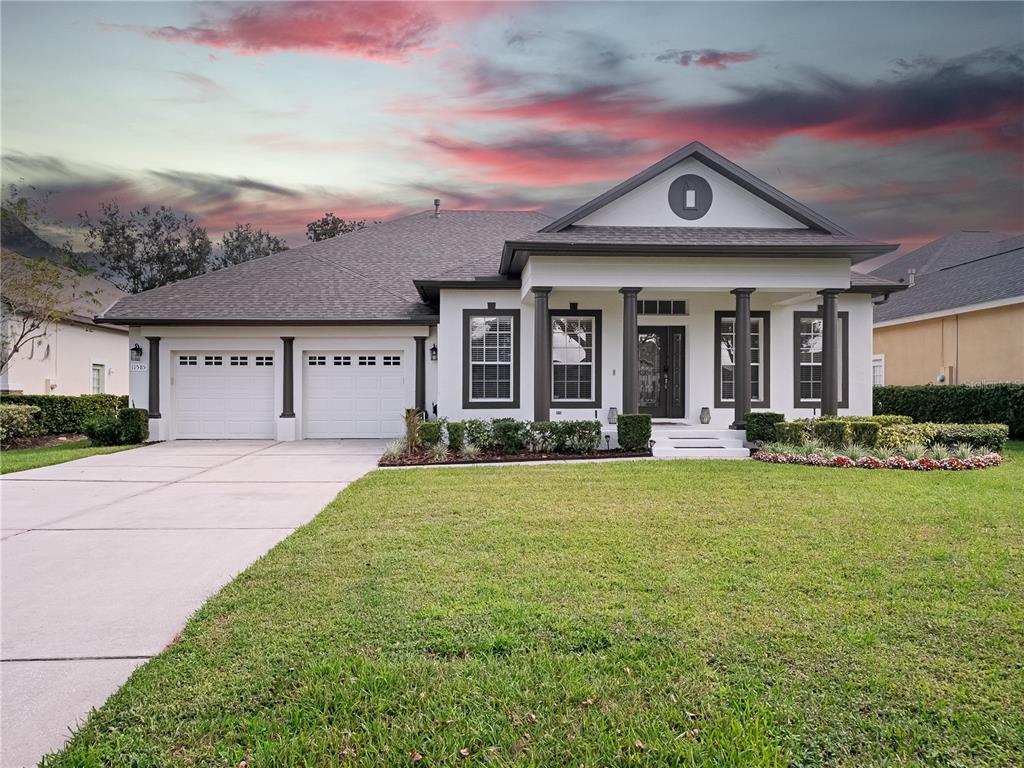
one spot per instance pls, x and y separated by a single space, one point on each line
721 452
677 441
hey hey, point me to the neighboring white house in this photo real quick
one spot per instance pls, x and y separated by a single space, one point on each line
639 291
77 356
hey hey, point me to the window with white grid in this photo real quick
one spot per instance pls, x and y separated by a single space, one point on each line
727 352
490 358
573 342
809 357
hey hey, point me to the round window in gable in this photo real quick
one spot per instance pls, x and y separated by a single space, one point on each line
689 197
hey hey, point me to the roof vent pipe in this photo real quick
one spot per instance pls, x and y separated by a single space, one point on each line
911 274
437 207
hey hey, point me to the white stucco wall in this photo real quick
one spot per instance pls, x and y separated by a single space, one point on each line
175 339
699 367
732 206
61 362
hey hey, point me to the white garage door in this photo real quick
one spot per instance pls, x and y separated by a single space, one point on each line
223 394
354 394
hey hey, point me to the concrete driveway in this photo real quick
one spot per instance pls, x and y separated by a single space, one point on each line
105 558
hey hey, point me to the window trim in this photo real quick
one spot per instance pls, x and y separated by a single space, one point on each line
844 358
766 358
517 345
598 343
879 359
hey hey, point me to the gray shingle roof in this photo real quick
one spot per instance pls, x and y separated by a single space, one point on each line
999 275
711 236
946 251
362 276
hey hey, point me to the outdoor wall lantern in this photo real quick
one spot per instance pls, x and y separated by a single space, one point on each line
136 352
613 415
433 353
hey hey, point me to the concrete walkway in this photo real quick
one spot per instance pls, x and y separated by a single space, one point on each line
105 558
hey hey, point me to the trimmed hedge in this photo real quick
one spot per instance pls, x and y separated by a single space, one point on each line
990 436
831 432
902 435
480 433
761 426
864 433
430 433
65 414
791 432
634 431
510 435
456 435
18 421
134 425
102 430
957 403
882 420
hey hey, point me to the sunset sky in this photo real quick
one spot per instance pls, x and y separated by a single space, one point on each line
901 121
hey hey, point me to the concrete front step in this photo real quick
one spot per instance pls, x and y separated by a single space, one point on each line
722 452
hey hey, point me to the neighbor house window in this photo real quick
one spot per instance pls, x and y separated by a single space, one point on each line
878 370
725 359
98 378
490 358
575 358
807 359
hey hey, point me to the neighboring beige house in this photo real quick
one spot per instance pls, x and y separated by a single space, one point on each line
961 320
76 357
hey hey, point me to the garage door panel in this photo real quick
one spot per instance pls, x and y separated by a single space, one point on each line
353 394
233 399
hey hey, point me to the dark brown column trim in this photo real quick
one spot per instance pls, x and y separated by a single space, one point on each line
541 354
154 376
421 375
829 352
741 400
288 366
630 352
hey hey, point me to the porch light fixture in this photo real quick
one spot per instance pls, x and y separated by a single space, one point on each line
613 415
608 442
433 353
136 353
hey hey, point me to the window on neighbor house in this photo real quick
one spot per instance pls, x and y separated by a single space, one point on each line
575 359
878 370
98 378
807 359
725 359
490 365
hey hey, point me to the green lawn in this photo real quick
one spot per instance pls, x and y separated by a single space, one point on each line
32 458
631 613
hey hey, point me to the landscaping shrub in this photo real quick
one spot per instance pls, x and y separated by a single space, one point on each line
990 436
864 432
546 437
480 434
413 421
134 423
18 421
882 420
65 414
430 433
511 435
583 436
456 435
831 432
903 435
761 426
957 403
634 431
791 432
103 430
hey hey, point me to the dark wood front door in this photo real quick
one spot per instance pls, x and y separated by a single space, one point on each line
662 355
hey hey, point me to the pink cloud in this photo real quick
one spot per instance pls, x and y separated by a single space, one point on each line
379 31
709 58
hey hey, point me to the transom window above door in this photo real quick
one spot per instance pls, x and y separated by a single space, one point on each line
490 358
575 358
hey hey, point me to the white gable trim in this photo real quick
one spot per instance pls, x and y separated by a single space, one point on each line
732 206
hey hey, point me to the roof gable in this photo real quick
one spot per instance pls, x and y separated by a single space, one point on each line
736 198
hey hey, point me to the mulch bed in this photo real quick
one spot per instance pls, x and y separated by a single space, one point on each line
423 458
42 441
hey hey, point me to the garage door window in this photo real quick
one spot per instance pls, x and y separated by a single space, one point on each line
188 360
317 360
264 361
213 360
392 360
239 359
367 359
343 360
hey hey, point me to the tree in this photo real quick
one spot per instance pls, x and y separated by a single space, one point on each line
35 294
330 225
146 248
243 243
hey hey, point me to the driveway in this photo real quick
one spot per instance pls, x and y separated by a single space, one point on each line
105 558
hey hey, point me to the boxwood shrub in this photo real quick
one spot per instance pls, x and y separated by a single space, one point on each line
66 414
634 431
103 430
957 403
831 432
480 433
882 420
456 435
134 425
580 436
430 433
761 426
511 435
18 421
990 436
901 435
791 432
864 432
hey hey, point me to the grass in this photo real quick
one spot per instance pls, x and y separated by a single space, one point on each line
32 458
630 613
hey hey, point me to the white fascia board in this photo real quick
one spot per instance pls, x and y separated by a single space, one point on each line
952 311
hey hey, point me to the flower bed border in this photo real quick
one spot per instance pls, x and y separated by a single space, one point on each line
424 459
924 464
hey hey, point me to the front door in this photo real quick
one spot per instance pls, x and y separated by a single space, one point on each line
662 354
